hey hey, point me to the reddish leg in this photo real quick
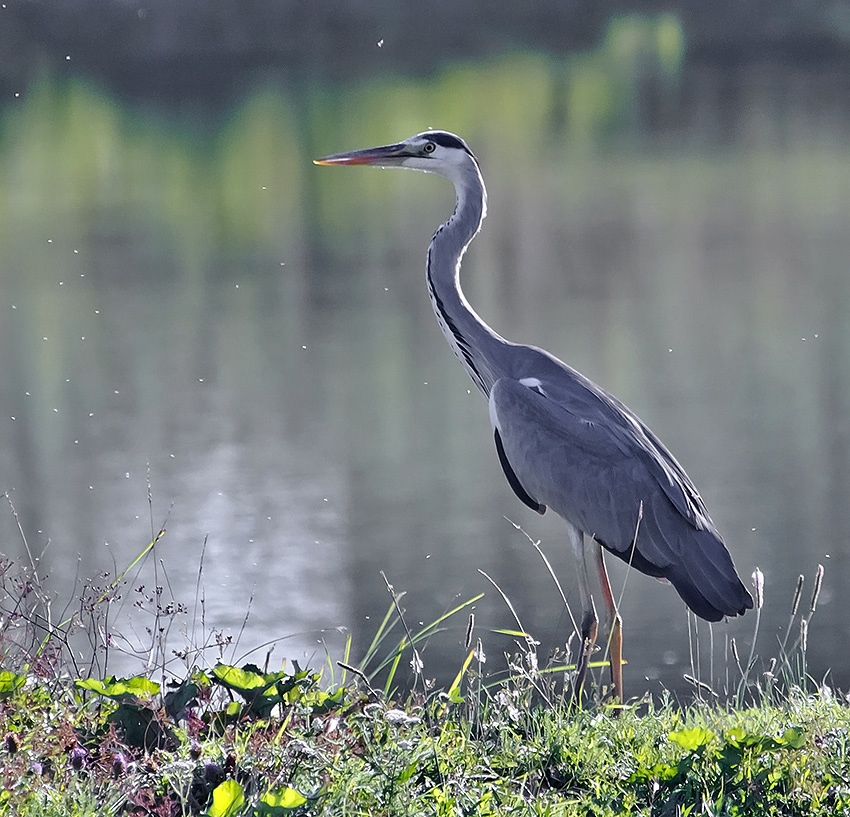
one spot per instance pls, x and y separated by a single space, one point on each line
615 624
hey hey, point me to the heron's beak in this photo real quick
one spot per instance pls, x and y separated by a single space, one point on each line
386 156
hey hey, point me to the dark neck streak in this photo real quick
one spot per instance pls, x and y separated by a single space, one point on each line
474 343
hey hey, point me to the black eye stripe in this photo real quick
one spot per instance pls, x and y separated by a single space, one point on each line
447 140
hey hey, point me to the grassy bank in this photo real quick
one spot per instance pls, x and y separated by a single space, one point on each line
210 738
284 745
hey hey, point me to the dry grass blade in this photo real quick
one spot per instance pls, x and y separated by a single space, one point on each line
510 607
536 545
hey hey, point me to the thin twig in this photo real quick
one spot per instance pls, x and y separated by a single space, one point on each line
361 675
198 586
417 664
510 607
795 604
536 546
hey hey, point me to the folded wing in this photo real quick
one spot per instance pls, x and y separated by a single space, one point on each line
565 443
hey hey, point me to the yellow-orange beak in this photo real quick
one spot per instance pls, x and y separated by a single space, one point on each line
385 156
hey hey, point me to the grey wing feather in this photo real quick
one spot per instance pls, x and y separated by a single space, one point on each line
575 448
512 478
583 398
575 465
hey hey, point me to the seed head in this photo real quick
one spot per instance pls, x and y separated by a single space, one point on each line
758 583
816 589
798 591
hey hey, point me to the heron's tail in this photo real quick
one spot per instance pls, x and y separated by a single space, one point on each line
706 579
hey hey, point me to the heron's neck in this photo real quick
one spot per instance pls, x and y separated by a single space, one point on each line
474 343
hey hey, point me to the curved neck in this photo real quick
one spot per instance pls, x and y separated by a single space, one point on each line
475 344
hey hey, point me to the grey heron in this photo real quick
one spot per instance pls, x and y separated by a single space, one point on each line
563 442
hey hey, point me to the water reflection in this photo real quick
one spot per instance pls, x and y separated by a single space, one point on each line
193 309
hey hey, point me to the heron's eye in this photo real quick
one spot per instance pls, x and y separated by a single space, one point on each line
429 147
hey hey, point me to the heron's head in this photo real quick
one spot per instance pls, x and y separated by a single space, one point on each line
432 151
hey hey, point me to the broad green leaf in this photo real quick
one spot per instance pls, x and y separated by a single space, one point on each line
228 799
664 771
691 739
455 697
293 695
92 684
11 682
326 701
261 692
794 737
239 678
246 680
120 688
177 699
741 740
200 678
280 801
659 771
139 726
143 687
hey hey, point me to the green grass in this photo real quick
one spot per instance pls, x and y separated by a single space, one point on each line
69 753
222 740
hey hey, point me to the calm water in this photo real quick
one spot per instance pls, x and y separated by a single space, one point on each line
201 330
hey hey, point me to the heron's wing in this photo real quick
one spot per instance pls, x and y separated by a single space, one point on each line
583 399
513 479
575 448
594 462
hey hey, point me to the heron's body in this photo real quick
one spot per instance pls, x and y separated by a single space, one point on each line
563 442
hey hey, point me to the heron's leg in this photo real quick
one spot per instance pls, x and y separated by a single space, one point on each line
615 625
589 620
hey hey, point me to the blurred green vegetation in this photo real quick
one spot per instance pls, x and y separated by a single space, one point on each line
67 147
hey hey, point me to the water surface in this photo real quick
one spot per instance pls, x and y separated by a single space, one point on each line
201 330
